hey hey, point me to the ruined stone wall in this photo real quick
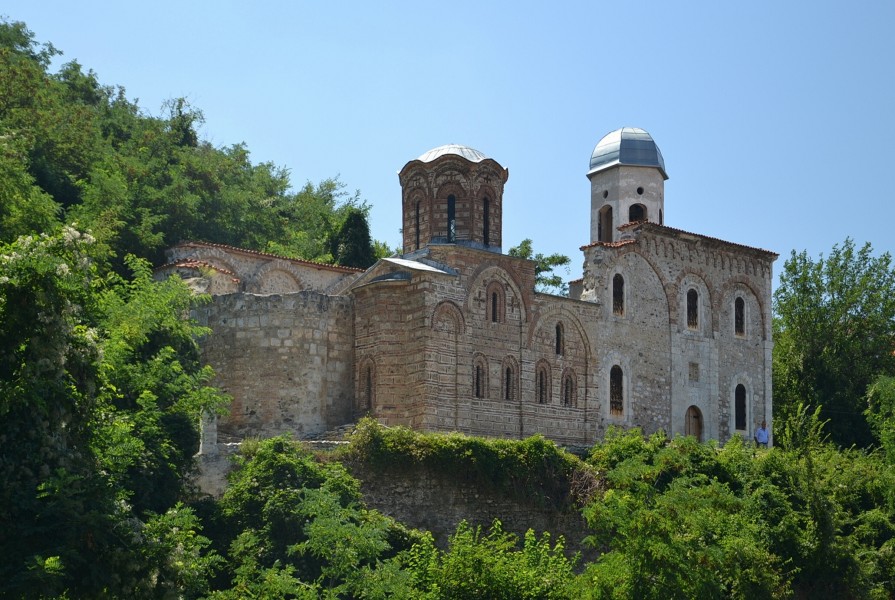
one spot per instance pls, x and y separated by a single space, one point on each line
421 498
287 361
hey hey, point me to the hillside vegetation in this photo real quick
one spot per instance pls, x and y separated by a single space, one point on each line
101 389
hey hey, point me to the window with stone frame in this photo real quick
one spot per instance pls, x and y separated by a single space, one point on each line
616 391
542 384
509 383
636 212
495 301
692 309
739 408
486 222
569 389
618 295
451 218
739 316
560 339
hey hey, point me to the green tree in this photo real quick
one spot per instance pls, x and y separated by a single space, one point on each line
834 332
352 245
545 278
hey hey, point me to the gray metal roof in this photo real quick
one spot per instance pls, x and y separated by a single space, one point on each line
466 152
627 146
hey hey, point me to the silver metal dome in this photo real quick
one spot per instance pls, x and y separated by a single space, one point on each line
466 152
627 146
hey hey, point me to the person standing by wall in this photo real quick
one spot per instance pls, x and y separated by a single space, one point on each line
761 435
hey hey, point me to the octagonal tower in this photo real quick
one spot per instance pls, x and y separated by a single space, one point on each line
452 195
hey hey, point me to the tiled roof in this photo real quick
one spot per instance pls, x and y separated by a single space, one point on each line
609 244
198 264
311 263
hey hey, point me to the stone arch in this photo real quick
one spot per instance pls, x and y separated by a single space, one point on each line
617 266
264 280
446 309
489 273
570 322
687 279
726 294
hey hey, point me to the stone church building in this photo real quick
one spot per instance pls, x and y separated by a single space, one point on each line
666 329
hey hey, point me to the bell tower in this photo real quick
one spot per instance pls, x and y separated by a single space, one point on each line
627 182
452 195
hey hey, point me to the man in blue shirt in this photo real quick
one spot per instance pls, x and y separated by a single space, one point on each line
761 435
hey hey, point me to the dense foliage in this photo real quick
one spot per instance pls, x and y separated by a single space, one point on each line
546 280
102 389
74 150
834 334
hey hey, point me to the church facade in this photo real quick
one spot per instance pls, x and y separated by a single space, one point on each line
665 330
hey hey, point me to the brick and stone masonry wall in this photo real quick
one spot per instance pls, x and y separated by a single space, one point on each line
287 361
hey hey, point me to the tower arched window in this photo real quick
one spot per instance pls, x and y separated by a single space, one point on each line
661 221
739 407
618 295
616 391
451 218
692 309
637 212
560 342
739 316
604 224
417 225
486 222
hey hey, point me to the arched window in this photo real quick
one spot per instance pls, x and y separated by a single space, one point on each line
495 312
661 222
604 224
569 389
618 295
542 384
452 219
693 309
486 222
616 391
739 316
417 225
560 342
367 387
480 377
739 408
637 212
509 388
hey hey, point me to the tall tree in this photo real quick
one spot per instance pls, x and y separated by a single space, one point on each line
545 278
834 332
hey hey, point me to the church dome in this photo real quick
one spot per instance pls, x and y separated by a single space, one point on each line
466 152
627 146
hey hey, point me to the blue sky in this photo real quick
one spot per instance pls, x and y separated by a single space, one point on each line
775 118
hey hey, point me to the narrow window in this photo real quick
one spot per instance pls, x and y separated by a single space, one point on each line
559 339
417 225
478 381
661 222
604 225
508 384
616 398
451 218
739 408
618 295
637 212
486 222
542 386
494 307
693 309
739 316
568 390
368 388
